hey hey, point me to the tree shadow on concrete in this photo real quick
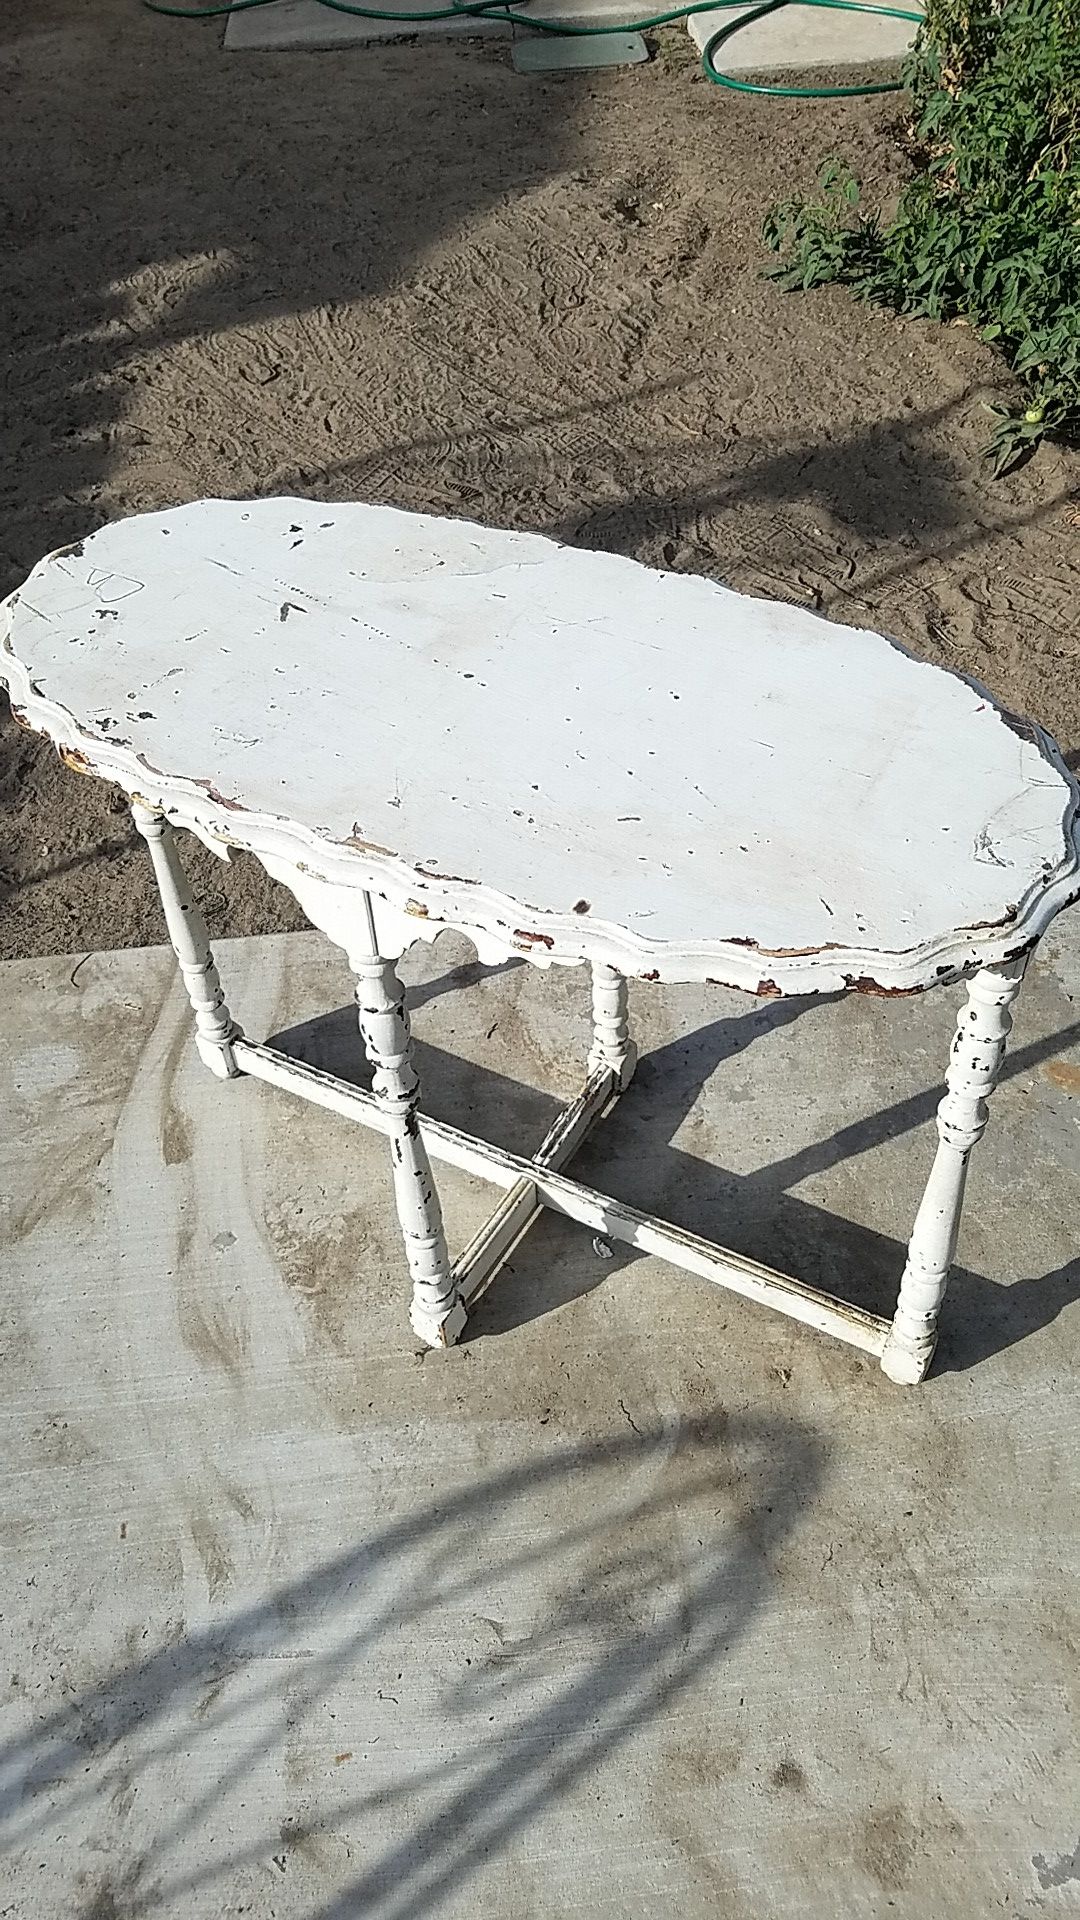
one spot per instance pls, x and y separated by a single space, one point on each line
754 1214
629 1585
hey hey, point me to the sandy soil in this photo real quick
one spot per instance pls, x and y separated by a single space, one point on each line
410 275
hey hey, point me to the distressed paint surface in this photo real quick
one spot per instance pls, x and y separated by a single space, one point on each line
566 753
975 1061
438 1315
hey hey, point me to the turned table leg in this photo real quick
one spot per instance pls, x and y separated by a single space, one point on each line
612 1046
978 1049
215 1029
437 1312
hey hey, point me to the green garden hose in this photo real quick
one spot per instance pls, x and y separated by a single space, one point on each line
500 10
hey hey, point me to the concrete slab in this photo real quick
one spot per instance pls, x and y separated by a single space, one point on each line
797 36
803 36
641 1601
305 24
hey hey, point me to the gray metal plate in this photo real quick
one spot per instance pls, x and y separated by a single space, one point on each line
570 53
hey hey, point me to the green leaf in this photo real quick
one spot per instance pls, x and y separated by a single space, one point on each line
987 227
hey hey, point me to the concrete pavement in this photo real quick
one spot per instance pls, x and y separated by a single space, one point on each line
641 1601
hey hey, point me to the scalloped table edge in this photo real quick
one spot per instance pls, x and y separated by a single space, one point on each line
322 872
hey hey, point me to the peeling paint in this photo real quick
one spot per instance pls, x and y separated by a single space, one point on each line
78 762
862 983
222 800
885 935
1023 728
368 846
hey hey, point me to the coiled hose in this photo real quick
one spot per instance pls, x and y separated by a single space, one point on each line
500 10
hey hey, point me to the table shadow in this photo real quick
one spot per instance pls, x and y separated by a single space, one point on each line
754 1214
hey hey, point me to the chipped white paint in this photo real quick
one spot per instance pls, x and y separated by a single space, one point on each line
500 1233
612 1046
437 1311
215 1029
562 753
978 1050
615 1219
417 723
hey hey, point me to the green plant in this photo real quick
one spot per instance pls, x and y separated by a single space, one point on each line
988 227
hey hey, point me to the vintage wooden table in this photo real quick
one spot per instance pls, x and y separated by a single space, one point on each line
418 723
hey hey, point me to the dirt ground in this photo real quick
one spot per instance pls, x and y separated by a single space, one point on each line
409 275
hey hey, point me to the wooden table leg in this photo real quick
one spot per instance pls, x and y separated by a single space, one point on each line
215 1029
977 1052
612 1046
437 1311
612 1060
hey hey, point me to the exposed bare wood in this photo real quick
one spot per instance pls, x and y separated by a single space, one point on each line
613 1218
564 754
499 1235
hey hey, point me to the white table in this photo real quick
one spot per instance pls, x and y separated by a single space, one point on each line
418 723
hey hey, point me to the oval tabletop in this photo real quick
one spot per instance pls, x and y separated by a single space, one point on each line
566 750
